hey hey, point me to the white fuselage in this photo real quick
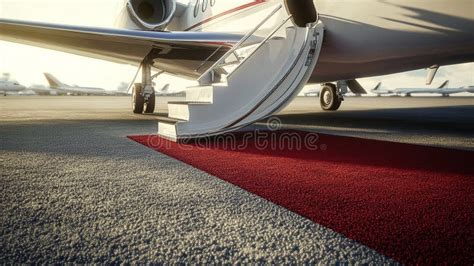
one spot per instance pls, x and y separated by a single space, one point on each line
60 87
10 86
441 91
42 90
80 90
364 37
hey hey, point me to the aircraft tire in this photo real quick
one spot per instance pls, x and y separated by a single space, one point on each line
149 105
328 98
138 100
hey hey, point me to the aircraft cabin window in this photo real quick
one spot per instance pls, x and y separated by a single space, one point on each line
196 8
213 2
204 5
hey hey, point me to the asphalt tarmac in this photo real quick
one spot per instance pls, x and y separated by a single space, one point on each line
432 121
75 189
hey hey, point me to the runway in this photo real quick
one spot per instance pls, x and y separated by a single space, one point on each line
434 121
75 189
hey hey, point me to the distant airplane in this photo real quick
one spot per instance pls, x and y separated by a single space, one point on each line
165 89
43 90
27 92
55 84
446 92
7 86
122 89
377 90
397 92
443 90
314 92
165 92
409 91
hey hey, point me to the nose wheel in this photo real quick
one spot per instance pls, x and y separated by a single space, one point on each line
330 98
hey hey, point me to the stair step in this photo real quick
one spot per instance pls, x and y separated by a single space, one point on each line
200 94
180 109
167 131
187 102
168 120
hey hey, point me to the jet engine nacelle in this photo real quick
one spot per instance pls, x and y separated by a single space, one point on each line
147 14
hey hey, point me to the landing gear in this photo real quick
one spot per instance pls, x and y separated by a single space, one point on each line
143 98
138 101
330 97
149 106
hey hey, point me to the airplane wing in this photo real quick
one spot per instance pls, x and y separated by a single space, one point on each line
355 87
182 53
415 90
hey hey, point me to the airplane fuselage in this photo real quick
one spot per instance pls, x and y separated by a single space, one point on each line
443 91
362 38
81 90
11 86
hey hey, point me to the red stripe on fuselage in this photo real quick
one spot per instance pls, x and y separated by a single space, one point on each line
230 11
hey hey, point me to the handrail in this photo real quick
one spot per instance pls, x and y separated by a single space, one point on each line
238 44
235 125
300 53
261 44
208 58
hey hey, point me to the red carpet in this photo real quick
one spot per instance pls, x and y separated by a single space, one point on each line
411 203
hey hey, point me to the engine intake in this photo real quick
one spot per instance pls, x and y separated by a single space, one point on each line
151 14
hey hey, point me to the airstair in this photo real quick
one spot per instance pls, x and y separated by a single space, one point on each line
248 83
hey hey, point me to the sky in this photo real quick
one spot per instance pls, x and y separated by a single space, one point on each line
27 64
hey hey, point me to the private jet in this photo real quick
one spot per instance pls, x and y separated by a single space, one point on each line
10 87
62 88
313 92
442 90
251 57
40 89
